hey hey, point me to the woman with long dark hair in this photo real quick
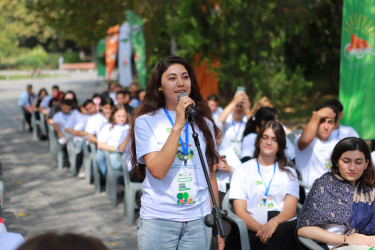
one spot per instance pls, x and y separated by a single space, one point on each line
175 194
339 209
265 192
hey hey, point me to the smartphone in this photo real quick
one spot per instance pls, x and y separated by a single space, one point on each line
241 89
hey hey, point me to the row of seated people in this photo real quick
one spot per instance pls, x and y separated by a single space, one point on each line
104 126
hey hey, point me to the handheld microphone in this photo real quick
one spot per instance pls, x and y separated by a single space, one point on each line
190 109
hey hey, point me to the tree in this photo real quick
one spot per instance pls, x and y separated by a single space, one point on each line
17 22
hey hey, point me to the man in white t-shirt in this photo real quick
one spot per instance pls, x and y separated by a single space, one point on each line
341 131
216 110
314 146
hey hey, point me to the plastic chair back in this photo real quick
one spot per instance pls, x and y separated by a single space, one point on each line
234 219
111 180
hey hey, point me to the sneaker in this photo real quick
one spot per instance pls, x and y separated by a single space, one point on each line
81 174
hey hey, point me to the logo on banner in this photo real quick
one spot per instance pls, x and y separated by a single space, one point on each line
360 29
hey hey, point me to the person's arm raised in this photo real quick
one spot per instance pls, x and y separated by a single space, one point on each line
312 126
159 162
238 97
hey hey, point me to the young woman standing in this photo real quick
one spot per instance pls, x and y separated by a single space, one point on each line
175 193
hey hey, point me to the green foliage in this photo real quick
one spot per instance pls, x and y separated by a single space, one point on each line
249 39
35 59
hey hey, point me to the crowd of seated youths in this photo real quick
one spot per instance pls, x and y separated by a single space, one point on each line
84 123
268 203
261 167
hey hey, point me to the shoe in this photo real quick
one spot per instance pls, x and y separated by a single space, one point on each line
43 138
81 175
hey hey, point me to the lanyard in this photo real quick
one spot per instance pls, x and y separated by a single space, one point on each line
269 184
185 147
234 129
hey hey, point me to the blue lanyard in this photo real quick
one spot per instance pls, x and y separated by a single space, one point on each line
239 128
185 147
269 184
337 136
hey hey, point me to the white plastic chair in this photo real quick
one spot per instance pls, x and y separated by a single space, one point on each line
55 147
309 243
111 180
234 219
36 125
87 161
95 169
73 154
131 189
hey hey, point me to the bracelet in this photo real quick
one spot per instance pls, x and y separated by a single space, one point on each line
345 243
278 222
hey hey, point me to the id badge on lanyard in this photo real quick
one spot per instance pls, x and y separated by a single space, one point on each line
266 202
184 181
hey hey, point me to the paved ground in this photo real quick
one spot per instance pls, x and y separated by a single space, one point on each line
39 197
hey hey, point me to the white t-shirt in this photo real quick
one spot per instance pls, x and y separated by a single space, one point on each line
232 134
159 197
315 160
248 147
247 184
113 136
95 123
62 119
223 177
343 132
44 103
77 122
217 113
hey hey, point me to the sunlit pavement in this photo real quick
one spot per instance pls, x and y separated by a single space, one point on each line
39 197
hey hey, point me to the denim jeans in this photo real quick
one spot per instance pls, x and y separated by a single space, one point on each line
101 162
165 234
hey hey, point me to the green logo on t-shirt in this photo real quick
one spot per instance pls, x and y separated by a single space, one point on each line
259 182
169 130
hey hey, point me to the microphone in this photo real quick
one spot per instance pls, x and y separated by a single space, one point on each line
190 109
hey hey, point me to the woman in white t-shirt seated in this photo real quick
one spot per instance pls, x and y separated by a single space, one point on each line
111 136
252 127
265 193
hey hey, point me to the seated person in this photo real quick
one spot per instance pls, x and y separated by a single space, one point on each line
233 120
56 93
314 146
25 102
97 121
341 131
111 136
265 193
61 118
252 127
213 104
339 209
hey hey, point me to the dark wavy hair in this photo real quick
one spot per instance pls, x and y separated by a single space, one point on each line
263 114
154 99
352 144
278 129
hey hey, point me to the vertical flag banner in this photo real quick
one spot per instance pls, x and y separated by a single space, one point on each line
111 45
138 45
125 56
100 57
357 66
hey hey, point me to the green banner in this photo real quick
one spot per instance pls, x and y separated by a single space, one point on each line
357 67
100 57
138 45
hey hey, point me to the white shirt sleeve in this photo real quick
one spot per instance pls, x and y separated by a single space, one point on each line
145 139
292 187
238 184
104 133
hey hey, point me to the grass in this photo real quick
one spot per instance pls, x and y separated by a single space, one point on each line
18 77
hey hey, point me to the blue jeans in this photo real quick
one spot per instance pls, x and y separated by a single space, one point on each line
101 163
165 234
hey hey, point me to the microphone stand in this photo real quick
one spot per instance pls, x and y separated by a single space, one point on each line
214 219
